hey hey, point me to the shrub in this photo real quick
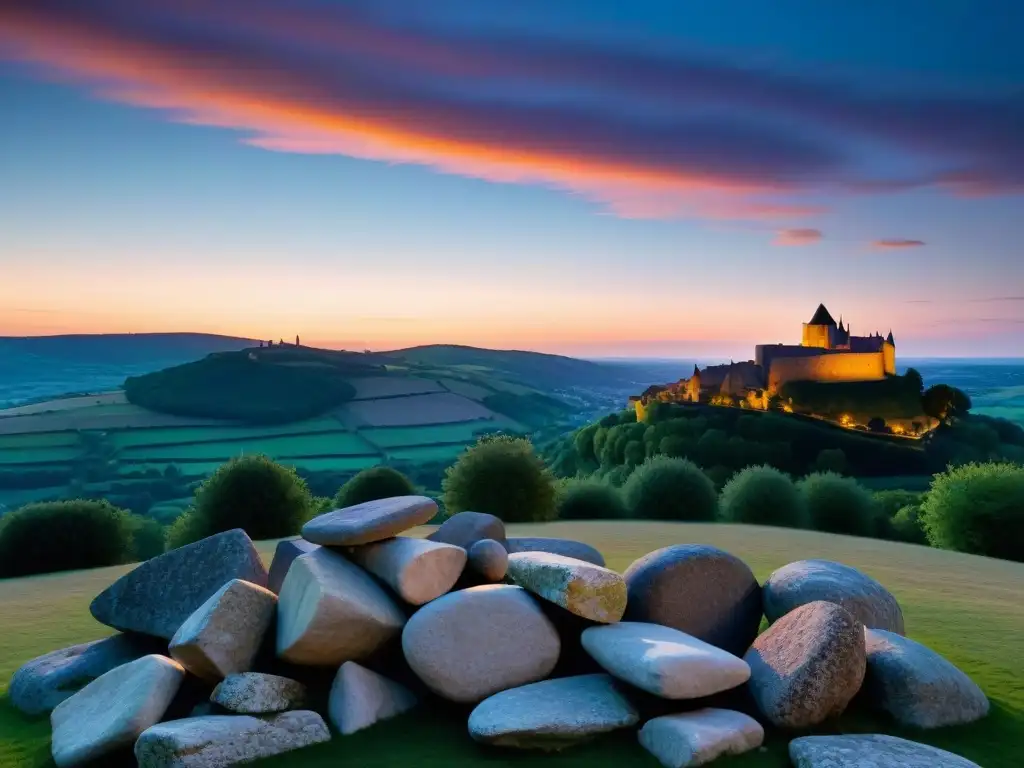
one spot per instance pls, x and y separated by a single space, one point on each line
617 476
587 499
838 504
664 488
147 537
831 460
372 484
977 508
504 477
887 505
63 536
185 529
763 496
906 525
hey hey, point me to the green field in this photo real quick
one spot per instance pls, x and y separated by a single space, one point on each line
967 608
130 438
428 453
406 437
39 455
38 440
325 444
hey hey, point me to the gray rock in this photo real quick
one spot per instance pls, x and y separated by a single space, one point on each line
699 590
43 683
664 661
552 714
870 751
361 697
488 559
697 738
370 521
590 591
416 569
917 686
807 666
216 741
113 710
257 693
564 547
464 529
158 595
475 642
284 556
806 581
331 611
225 633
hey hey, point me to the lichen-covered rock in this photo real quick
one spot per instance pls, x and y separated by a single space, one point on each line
807 666
416 569
870 751
806 581
331 611
284 555
257 693
158 595
224 634
44 682
664 661
216 741
464 529
552 714
699 737
584 589
370 521
360 697
475 642
489 560
699 590
917 686
565 547
113 710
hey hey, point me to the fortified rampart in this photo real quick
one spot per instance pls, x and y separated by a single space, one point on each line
827 367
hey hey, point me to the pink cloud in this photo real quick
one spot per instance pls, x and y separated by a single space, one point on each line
897 243
798 236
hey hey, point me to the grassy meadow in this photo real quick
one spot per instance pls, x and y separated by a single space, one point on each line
967 608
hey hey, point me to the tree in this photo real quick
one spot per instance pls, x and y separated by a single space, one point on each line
664 488
914 380
945 403
587 499
877 424
634 453
372 484
838 504
762 496
831 460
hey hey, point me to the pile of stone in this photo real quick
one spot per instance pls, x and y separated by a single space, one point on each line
491 622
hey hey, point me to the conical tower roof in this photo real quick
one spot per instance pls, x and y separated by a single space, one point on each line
822 317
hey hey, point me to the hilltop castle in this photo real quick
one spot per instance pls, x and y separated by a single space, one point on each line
828 352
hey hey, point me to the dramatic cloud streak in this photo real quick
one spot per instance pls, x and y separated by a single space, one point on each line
798 237
898 243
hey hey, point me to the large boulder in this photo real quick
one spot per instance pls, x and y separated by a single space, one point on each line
917 686
664 661
331 611
475 642
284 555
699 590
370 521
361 697
158 595
488 559
215 741
870 751
257 693
697 738
806 581
43 683
564 547
113 710
552 714
416 569
464 529
807 666
584 589
225 633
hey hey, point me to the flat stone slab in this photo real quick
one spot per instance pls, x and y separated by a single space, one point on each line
807 666
416 569
158 595
113 710
917 686
806 581
697 738
331 611
225 633
564 547
489 560
552 714
584 589
464 529
284 555
700 590
870 751
257 693
664 661
215 741
370 521
472 643
360 697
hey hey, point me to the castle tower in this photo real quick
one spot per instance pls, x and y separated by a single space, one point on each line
821 331
889 354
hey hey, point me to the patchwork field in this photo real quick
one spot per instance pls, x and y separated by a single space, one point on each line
967 608
416 410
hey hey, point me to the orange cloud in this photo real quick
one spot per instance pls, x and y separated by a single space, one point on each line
798 236
897 243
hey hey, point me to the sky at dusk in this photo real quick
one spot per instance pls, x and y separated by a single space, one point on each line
588 177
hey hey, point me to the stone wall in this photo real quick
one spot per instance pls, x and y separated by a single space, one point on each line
837 366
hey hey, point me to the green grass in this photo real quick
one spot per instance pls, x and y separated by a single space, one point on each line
188 468
897 482
426 453
405 437
967 608
38 440
129 438
331 443
56 454
338 463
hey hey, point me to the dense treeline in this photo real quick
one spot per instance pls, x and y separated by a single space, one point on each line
894 397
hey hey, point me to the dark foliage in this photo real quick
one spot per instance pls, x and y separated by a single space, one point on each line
663 488
590 500
763 496
838 504
372 484
889 398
